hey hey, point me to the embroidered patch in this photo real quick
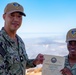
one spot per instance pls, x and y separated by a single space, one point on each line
73 32
16 4
53 60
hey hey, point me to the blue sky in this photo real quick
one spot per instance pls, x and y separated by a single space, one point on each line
44 16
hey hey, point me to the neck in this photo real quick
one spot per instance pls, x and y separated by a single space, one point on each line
72 56
12 34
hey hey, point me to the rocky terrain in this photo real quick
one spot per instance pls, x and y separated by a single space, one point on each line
34 71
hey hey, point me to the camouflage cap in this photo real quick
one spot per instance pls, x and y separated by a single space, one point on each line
71 35
14 7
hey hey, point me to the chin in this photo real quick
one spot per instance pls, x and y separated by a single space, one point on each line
74 54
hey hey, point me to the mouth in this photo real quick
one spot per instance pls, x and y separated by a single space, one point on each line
15 24
72 50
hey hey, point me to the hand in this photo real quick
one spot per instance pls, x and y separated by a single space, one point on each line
39 59
66 71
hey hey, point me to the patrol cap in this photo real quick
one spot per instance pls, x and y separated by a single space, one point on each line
14 7
71 35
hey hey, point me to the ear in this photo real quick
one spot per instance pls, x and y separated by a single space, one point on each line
4 16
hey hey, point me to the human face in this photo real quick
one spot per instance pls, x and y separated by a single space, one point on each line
12 21
71 45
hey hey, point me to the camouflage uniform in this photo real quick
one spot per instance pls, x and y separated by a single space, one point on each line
13 57
67 64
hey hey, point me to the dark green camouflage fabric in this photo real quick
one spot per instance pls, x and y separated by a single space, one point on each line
67 64
13 57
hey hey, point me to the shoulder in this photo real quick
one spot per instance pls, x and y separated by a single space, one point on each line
20 39
2 40
66 60
66 57
1 37
2 45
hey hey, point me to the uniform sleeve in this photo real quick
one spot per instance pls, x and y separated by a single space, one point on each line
30 64
2 69
2 64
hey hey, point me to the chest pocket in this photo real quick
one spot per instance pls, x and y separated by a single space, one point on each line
12 56
15 57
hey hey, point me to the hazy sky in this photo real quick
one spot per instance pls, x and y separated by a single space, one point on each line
44 16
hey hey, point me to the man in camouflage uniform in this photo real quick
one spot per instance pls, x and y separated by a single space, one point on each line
70 59
13 57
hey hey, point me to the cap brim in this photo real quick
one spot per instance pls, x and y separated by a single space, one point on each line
22 13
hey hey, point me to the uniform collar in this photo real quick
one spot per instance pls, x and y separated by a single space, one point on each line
6 36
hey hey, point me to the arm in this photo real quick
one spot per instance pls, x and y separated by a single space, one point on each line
2 63
2 69
31 62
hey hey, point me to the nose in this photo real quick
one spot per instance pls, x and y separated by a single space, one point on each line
73 46
16 19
